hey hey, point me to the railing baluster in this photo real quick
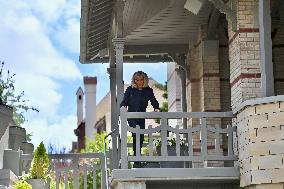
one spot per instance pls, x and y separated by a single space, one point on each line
66 179
57 177
76 172
164 136
104 173
137 129
85 176
150 138
230 141
123 114
177 141
190 145
203 140
217 142
95 178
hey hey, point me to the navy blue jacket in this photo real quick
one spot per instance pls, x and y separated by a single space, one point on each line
137 100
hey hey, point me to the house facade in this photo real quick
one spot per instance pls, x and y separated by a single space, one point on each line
229 58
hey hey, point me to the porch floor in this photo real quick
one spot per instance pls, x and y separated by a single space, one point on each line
228 176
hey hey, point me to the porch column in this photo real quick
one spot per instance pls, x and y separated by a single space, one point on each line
117 85
250 75
114 116
210 77
244 54
119 46
182 74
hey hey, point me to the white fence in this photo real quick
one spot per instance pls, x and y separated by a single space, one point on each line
69 167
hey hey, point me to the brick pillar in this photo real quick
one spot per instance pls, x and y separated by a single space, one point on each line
244 54
211 77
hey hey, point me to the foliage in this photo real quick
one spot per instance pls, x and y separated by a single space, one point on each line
164 107
40 164
171 141
22 185
163 88
8 96
97 145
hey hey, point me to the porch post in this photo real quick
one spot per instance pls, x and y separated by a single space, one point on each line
266 66
114 113
182 74
119 46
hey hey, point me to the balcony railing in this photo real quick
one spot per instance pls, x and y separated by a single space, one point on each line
209 137
69 167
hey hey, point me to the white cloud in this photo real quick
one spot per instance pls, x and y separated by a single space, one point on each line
40 67
60 134
69 35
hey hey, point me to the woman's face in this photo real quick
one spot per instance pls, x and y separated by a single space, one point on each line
139 81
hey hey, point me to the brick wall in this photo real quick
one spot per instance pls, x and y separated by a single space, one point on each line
261 140
244 54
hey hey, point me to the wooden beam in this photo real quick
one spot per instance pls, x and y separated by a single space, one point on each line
155 49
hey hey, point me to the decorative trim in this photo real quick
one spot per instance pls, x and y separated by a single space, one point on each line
245 76
243 30
257 101
194 80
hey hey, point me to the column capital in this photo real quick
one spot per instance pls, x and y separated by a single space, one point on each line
118 43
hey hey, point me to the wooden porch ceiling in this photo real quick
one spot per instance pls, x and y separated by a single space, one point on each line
171 25
151 28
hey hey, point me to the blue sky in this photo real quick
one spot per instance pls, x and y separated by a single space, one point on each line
39 41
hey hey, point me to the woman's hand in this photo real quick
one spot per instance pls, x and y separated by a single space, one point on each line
157 110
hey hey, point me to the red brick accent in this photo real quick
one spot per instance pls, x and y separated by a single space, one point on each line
244 76
90 80
243 30
204 75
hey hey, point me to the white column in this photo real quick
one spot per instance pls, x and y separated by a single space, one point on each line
90 84
119 46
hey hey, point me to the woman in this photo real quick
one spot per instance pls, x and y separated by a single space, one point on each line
136 99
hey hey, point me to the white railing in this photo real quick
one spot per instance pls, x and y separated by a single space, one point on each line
209 137
64 167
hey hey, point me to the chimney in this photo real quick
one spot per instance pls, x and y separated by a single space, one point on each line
90 84
80 101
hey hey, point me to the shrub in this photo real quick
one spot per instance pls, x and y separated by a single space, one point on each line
22 185
40 164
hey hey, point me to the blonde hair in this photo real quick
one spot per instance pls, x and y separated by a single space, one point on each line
139 73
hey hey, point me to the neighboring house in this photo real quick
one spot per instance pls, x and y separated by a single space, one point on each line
85 125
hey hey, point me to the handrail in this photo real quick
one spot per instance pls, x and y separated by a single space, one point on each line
105 156
203 127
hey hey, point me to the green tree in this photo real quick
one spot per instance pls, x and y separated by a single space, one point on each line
164 106
9 96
